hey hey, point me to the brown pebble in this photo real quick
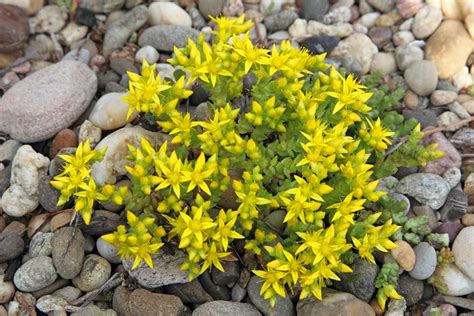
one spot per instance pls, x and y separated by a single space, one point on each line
404 255
468 219
63 139
15 227
14 28
61 220
375 306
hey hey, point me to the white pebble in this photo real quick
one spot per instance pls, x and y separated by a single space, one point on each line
149 53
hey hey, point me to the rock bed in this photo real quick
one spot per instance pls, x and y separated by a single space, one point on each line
61 79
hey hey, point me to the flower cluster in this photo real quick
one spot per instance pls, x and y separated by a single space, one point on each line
286 133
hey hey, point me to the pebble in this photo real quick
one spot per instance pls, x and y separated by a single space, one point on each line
334 303
463 252
442 97
358 46
85 17
280 21
65 138
426 188
469 106
408 8
451 157
396 307
425 261
411 289
110 112
102 6
380 35
404 255
69 293
73 32
143 302
262 32
40 245
165 37
268 7
279 36
459 110
218 292
320 44
36 274
92 309
149 53
368 20
360 282
190 292
14 29
298 28
449 47
62 91
462 78
454 281
113 164
27 168
166 270
168 13
95 272
402 38
314 9
118 32
406 55
450 228
421 77
68 251
426 21
82 55
339 30
211 7
51 304
230 275
108 251
50 19
449 121
238 293
382 5
384 62
283 305
7 290
226 308
468 219
452 176
233 8
30 6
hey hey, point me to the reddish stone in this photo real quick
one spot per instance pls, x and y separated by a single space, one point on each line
63 139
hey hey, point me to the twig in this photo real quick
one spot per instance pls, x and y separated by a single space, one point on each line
18 62
257 31
429 131
84 300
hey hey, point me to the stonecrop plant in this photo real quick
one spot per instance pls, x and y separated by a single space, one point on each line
286 134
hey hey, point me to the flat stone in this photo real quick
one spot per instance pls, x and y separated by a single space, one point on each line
426 188
421 77
165 37
35 274
68 251
425 261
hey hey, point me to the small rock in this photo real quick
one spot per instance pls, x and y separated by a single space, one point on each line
426 188
454 281
384 62
279 36
426 21
146 303
449 47
226 308
69 293
50 19
95 272
11 245
314 9
339 30
320 44
166 270
230 275
149 53
368 20
408 9
165 37
168 13
233 8
47 101
421 77
402 38
57 164
82 55
280 21
298 28
442 97
404 255
85 17
382 5
452 176
30 6
450 228
27 168
196 17
89 131
455 206
63 139
190 292
7 290
334 303
14 29
108 251
462 78
120 31
337 15
468 220
411 289
463 252
51 304
268 7
110 112
40 245
35 274
102 6
380 35
218 292
360 47
360 282
406 55
425 261
449 120
262 32
396 307
68 251
211 7
238 293
48 196
451 157
283 306
73 32
92 309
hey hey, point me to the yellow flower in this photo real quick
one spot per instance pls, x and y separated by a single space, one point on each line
195 227
199 174
172 174
212 257
225 227
250 54
271 284
376 136
345 210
